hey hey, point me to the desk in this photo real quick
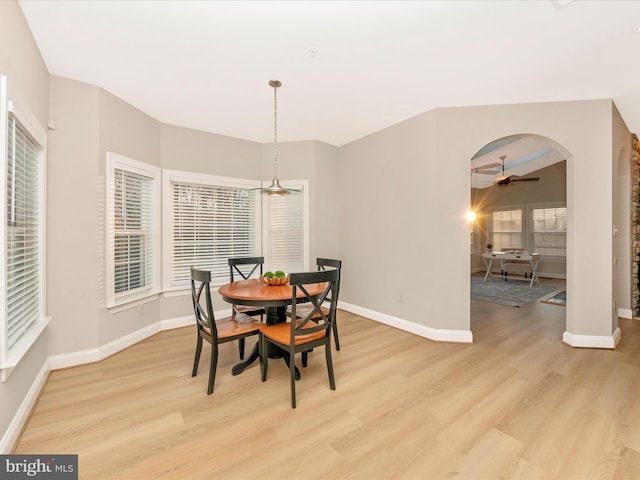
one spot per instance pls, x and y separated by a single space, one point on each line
275 299
532 259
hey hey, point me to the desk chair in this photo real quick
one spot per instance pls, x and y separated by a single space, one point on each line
235 327
304 333
245 267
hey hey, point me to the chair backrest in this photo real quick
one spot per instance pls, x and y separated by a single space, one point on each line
201 298
316 313
322 263
245 266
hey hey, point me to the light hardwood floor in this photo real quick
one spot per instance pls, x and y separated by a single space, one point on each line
517 403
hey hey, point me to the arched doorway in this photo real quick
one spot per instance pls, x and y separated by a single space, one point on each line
519 197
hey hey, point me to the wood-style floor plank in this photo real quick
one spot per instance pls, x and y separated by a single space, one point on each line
516 404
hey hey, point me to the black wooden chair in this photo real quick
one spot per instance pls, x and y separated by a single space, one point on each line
322 264
216 332
306 332
245 268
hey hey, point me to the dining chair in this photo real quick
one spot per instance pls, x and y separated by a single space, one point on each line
215 331
245 267
322 264
303 334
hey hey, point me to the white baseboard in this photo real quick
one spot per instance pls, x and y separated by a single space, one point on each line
592 341
437 334
560 276
180 322
72 359
81 357
19 420
625 313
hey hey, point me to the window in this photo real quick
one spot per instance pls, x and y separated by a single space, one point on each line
22 150
133 226
208 219
549 231
506 229
285 229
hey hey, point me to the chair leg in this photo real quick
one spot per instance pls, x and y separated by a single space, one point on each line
241 347
335 334
212 368
332 380
264 358
304 359
292 375
196 361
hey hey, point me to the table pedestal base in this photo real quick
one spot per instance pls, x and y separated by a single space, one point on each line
274 315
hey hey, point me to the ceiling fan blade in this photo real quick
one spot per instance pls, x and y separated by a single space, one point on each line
527 179
488 166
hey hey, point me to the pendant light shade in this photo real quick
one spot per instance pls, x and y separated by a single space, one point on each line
275 188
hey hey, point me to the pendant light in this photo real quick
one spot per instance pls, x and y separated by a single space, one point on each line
275 188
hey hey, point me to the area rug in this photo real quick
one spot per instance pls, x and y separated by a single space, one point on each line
513 293
556 298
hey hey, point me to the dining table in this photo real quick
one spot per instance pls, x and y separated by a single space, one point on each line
274 298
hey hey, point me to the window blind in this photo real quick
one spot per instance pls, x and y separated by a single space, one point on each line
24 218
285 233
549 231
133 225
210 224
507 229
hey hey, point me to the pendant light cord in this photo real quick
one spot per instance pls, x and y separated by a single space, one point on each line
275 131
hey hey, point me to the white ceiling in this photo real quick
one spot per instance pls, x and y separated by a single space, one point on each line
206 64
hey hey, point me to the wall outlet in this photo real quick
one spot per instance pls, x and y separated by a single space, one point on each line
402 296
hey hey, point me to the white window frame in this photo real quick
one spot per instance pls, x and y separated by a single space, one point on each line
10 102
506 208
129 299
302 185
530 232
174 176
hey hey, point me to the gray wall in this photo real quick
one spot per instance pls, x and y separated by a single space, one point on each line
21 62
397 222
622 241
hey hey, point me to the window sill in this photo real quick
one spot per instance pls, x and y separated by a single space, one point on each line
133 303
186 290
22 346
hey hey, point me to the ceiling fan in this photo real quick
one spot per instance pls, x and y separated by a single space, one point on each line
514 178
503 179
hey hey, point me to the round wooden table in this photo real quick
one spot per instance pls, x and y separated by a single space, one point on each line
275 299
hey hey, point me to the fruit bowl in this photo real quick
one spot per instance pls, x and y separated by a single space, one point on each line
275 280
